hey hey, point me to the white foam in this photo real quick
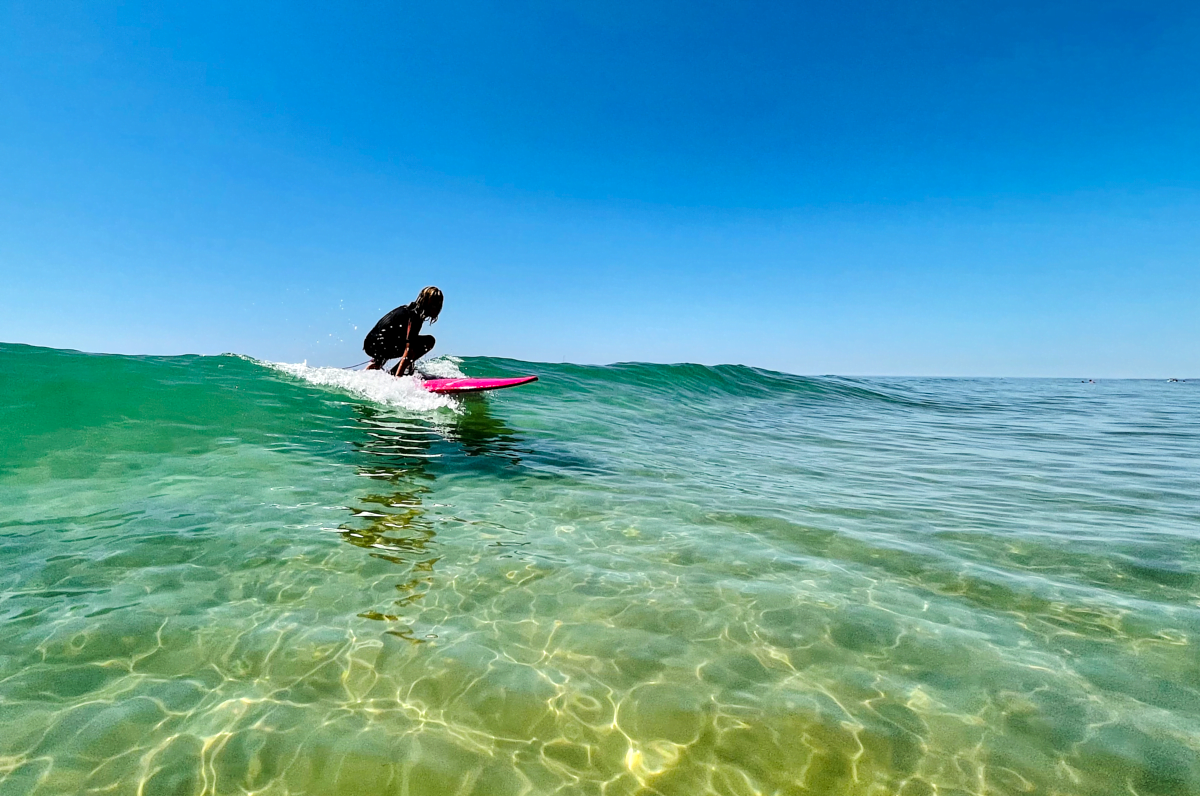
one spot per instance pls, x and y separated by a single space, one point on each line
376 385
445 367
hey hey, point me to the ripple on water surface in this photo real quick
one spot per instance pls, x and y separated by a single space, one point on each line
220 577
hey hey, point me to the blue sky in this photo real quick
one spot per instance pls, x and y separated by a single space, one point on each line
927 188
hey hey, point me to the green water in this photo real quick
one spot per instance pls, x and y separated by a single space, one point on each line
223 577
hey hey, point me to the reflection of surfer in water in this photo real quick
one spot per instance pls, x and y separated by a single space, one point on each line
398 334
389 520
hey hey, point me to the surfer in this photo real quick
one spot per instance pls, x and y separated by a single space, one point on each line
398 334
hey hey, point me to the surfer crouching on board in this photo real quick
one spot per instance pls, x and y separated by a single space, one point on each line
398 334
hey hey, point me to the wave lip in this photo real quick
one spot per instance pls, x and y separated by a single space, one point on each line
405 392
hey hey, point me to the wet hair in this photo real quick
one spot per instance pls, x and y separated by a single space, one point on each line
429 303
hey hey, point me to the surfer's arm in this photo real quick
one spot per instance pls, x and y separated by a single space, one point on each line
401 365
407 341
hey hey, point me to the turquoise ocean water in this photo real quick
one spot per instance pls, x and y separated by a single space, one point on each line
224 576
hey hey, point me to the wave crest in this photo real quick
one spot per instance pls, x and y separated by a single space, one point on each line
376 385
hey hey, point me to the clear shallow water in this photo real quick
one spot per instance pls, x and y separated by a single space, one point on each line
222 576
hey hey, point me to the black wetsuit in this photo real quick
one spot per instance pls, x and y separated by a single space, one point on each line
397 330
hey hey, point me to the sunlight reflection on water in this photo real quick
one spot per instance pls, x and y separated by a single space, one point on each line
617 596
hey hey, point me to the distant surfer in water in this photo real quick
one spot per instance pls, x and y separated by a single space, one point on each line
398 334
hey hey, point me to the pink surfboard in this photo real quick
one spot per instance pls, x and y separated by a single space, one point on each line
445 386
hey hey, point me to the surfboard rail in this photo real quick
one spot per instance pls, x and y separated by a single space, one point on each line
453 386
